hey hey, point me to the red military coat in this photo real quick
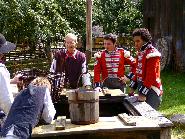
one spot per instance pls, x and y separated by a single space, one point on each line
112 64
148 70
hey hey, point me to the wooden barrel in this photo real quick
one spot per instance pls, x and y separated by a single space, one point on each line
83 106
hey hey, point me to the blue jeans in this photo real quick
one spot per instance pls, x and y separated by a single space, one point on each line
10 135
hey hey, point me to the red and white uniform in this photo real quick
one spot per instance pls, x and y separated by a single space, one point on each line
112 64
147 74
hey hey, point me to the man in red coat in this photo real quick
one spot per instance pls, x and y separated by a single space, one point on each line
109 67
147 75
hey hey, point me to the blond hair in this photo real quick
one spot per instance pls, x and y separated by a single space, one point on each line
72 36
42 81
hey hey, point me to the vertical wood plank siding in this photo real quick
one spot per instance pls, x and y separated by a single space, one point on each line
166 19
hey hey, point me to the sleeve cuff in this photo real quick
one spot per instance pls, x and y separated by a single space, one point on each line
2 114
130 75
133 85
98 84
144 90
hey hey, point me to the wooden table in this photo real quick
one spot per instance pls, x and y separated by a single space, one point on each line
107 127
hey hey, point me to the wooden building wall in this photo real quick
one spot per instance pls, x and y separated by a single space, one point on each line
166 21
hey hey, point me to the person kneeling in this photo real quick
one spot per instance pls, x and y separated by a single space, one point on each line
32 105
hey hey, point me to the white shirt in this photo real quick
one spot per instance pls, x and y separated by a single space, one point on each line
6 96
49 109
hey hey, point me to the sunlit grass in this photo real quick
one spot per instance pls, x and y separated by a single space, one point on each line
174 93
173 99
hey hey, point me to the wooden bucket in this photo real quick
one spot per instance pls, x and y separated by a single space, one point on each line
83 106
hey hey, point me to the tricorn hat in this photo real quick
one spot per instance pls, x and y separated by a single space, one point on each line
5 46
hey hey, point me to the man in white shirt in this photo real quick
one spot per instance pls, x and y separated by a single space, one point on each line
6 96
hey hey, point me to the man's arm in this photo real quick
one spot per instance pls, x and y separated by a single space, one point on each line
97 69
129 60
86 78
152 71
6 97
49 110
53 66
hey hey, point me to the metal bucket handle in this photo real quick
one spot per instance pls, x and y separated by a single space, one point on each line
81 76
103 89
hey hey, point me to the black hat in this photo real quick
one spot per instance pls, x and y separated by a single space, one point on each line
5 46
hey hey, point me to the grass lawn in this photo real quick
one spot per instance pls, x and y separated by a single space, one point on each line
173 98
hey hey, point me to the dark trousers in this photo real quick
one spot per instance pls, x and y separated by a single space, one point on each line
114 83
153 99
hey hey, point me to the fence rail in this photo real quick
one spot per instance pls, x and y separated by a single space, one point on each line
23 58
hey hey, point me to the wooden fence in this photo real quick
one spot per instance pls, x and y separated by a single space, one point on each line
25 58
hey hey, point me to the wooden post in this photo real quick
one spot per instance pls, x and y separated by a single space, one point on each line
165 133
89 4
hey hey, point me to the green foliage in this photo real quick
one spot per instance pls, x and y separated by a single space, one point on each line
28 21
119 16
74 11
25 21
